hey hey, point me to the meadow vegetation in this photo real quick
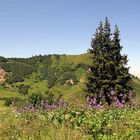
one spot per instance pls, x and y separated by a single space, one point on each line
71 122
45 97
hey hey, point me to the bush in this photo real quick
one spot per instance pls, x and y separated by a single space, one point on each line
51 80
35 99
11 101
23 89
8 102
50 98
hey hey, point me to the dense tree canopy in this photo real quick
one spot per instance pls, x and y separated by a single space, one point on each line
55 69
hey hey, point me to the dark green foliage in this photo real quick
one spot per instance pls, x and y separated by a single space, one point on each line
6 66
55 59
13 78
2 59
11 101
23 89
51 80
8 101
54 73
35 99
108 72
18 71
47 71
121 73
51 68
82 65
50 98
67 76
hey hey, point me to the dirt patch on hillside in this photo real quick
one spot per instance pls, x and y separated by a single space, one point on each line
2 75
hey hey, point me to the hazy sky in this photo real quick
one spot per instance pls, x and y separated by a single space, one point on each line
29 27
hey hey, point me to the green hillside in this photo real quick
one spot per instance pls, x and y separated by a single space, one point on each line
44 74
76 59
48 74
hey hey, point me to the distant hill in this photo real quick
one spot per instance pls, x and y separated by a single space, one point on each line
62 75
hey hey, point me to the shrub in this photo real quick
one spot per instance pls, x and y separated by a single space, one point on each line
23 89
11 101
35 99
50 98
51 80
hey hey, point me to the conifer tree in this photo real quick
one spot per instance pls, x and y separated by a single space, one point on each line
121 76
94 78
108 80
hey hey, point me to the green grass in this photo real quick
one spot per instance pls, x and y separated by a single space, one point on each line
71 124
75 94
76 59
5 94
35 84
69 93
35 126
136 86
79 72
2 106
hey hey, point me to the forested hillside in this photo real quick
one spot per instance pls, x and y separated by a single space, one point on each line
60 75
48 67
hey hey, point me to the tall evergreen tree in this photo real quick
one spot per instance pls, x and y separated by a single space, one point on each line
108 80
121 74
94 78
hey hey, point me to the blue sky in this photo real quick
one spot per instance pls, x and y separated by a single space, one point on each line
29 27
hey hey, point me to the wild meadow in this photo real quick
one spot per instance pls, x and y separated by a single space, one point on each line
71 123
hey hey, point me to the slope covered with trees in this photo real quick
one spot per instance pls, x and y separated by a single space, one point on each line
61 75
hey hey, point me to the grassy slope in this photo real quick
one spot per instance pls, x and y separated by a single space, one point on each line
7 93
69 93
136 86
42 86
76 59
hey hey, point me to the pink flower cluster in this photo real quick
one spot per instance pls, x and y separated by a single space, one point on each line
44 106
118 100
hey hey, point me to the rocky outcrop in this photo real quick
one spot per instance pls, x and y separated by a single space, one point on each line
2 76
70 82
89 70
